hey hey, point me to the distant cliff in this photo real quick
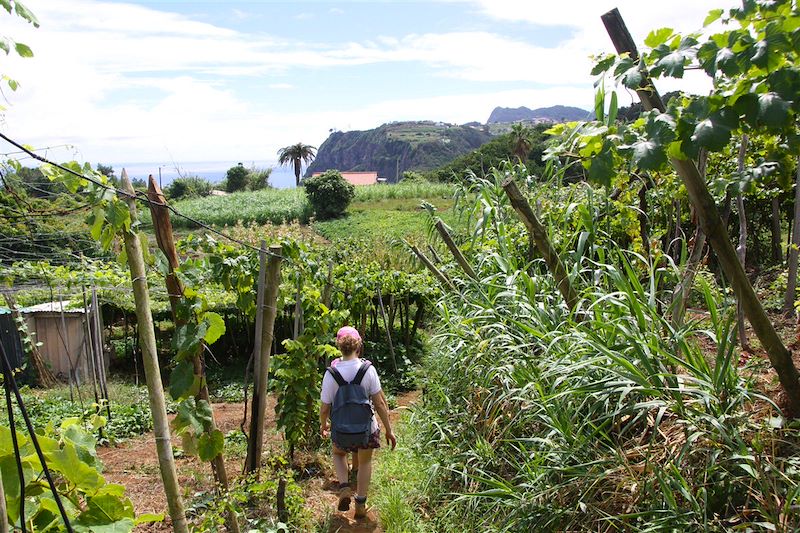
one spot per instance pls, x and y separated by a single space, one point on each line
556 113
394 148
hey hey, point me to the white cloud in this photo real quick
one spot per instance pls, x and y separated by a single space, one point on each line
125 82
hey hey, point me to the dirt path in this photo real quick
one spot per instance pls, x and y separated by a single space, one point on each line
134 464
325 494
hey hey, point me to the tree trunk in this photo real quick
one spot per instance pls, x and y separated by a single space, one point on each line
147 338
794 249
162 225
779 356
777 256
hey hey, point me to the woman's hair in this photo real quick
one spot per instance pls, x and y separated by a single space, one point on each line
348 344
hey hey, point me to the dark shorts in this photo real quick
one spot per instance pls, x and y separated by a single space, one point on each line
374 442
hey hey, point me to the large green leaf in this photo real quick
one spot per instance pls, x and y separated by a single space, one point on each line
648 155
713 15
210 445
773 111
715 132
68 463
216 327
658 37
183 382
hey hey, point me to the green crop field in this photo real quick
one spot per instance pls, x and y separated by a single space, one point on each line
275 206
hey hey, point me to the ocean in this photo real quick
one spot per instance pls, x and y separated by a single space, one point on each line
214 171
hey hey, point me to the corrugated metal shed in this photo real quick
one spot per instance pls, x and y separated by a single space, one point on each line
62 330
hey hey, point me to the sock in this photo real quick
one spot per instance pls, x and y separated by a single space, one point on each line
343 485
361 499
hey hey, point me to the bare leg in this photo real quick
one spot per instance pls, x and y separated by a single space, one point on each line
340 464
364 472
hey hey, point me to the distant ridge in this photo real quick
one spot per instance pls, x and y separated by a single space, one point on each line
393 148
556 113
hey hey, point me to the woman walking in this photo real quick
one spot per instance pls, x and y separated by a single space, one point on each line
359 380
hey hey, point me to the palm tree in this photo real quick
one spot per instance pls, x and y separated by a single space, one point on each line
521 141
298 154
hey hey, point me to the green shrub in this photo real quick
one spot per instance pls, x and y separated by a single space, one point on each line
237 178
329 194
188 187
259 178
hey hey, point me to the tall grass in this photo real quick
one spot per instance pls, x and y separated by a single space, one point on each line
275 206
404 190
536 421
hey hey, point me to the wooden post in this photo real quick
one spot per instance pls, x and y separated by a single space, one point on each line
434 254
326 292
711 222
542 241
451 245
388 331
87 332
147 339
794 248
436 272
741 247
255 443
162 225
100 360
262 285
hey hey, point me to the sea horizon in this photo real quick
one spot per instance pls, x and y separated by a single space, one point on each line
282 177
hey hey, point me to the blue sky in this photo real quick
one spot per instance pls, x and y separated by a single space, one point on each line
188 81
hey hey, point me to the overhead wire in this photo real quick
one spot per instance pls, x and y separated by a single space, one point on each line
140 196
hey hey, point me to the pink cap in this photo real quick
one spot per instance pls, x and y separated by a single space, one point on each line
348 331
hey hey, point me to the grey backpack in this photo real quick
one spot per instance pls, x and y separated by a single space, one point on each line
351 416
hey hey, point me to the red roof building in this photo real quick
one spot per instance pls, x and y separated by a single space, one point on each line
358 178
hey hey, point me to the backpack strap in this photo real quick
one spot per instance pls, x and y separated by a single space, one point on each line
361 371
336 376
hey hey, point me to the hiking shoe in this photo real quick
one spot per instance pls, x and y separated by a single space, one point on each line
361 509
344 498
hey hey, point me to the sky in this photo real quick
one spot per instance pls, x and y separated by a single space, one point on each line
174 82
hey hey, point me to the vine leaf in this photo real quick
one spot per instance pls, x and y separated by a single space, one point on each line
216 327
772 110
658 37
183 382
210 445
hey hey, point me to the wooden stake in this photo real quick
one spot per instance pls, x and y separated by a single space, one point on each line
741 248
435 271
100 360
451 245
794 249
255 443
542 241
162 226
388 330
147 339
711 222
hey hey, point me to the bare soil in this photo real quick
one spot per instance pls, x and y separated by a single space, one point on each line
134 464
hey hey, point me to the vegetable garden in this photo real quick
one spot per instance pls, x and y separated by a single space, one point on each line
597 357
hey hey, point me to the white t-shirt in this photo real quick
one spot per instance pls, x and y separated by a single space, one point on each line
348 370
